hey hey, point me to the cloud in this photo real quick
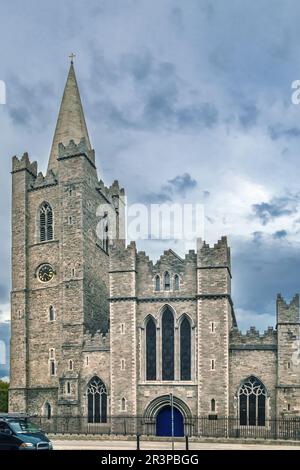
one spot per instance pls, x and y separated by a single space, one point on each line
277 207
4 349
180 185
278 132
280 234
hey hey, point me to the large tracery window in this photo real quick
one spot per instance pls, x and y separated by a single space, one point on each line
150 350
185 350
46 222
167 345
252 402
97 401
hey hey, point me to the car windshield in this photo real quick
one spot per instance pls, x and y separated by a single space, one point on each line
23 427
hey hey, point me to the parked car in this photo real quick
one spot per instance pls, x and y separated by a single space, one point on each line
17 432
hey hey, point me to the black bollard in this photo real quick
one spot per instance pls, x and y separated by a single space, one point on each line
186 442
137 442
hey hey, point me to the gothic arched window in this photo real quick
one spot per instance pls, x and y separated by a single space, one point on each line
185 350
157 283
46 222
97 401
166 281
167 345
252 402
150 350
176 282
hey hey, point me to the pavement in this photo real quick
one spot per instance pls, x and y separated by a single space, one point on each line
155 445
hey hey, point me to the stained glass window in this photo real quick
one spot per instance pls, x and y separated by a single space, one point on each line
46 222
185 350
167 345
252 402
150 350
97 401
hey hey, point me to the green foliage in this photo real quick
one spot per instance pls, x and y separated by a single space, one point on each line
4 396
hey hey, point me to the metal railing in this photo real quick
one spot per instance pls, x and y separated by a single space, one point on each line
221 427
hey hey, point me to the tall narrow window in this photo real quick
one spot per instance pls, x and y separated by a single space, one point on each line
48 411
52 367
252 402
68 388
176 282
157 283
213 405
150 350
70 364
167 281
104 241
51 313
97 401
212 364
167 345
122 364
123 404
185 350
46 222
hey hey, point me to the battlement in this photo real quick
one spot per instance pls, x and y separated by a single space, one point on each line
96 342
253 337
123 259
73 149
112 192
287 312
42 181
218 255
24 164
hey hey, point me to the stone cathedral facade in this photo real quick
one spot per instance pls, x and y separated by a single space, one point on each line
99 330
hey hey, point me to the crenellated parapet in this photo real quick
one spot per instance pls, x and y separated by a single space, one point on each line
287 312
123 259
216 256
113 194
42 181
24 164
73 150
253 339
96 342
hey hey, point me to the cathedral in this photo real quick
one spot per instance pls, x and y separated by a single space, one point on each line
98 330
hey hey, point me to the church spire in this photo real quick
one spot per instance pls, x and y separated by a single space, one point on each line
71 122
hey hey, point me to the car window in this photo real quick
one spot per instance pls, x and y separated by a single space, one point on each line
23 427
3 426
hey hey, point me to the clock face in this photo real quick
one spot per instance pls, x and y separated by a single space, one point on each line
45 273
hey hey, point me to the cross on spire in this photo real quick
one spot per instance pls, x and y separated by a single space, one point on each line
72 56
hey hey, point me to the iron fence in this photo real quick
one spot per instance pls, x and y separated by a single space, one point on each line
219 427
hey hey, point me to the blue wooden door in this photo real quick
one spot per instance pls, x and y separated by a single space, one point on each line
164 422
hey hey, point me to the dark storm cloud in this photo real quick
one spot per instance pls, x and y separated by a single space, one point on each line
280 234
178 186
278 132
248 115
259 275
277 207
4 359
28 103
157 101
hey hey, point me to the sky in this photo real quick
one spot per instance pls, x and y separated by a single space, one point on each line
186 102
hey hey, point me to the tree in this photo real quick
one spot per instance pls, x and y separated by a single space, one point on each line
4 396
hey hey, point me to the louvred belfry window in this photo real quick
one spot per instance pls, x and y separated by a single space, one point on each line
185 350
46 222
150 350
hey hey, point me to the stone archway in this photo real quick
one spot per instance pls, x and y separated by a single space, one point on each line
157 417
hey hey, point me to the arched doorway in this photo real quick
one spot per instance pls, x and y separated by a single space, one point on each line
164 422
